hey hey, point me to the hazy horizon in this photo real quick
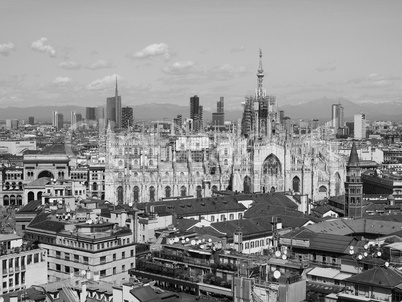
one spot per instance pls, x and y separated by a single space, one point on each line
70 52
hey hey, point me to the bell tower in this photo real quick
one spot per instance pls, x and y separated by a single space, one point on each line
353 186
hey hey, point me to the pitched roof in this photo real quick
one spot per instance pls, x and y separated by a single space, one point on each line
32 206
42 222
356 226
185 224
332 243
40 182
145 294
192 207
379 277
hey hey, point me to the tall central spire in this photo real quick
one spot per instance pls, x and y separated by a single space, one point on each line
116 93
260 75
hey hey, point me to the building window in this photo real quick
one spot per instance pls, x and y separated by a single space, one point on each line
85 260
103 273
103 260
132 253
231 217
123 268
114 271
223 217
123 255
212 218
114 257
151 193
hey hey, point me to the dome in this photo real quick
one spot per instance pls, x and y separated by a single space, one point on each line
391 197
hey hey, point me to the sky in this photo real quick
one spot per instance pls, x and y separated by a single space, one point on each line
70 52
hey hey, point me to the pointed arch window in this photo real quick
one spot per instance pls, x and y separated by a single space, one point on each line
151 193
136 194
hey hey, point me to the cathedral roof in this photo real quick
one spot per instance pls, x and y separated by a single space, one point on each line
353 158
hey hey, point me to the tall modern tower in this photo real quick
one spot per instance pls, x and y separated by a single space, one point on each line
113 109
218 117
127 117
360 126
196 113
194 106
90 114
337 116
220 105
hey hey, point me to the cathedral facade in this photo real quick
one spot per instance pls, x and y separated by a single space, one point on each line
261 156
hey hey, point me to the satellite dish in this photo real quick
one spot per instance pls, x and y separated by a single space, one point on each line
360 257
351 252
285 252
386 264
379 254
277 274
183 241
176 239
352 247
187 240
277 254
130 204
284 257
366 246
209 240
365 254
193 242
83 273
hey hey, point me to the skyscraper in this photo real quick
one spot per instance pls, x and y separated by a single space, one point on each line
31 120
360 126
196 113
220 105
194 106
54 118
337 116
113 109
75 120
90 113
127 117
218 117
58 120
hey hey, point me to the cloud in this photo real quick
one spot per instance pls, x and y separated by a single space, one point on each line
183 68
238 49
153 50
105 82
100 64
40 45
62 81
71 65
326 68
190 72
6 48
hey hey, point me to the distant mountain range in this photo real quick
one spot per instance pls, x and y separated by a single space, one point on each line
316 109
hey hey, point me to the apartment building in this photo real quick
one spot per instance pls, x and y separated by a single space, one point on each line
21 265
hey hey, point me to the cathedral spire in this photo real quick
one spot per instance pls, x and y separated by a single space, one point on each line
260 93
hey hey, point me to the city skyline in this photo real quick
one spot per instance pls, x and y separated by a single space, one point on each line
64 53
